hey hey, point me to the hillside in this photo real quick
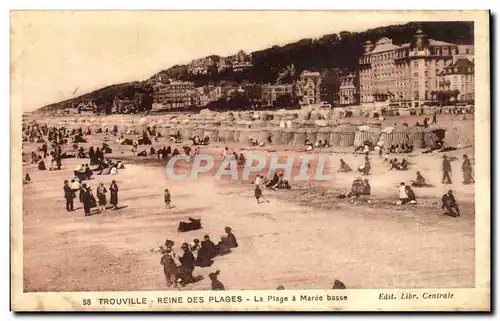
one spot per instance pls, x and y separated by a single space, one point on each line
340 50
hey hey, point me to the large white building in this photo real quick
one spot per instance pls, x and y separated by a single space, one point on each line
406 74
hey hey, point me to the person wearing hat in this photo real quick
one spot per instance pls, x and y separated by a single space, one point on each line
168 262
446 170
231 238
195 248
68 195
113 189
403 196
101 196
187 265
216 284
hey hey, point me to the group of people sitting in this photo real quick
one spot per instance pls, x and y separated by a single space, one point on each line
179 269
197 140
319 144
401 149
406 195
397 165
359 188
278 181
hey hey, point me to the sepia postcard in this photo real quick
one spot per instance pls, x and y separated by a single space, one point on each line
250 161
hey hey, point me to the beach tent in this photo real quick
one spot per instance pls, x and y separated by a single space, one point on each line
366 133
393 136
347 136
416 136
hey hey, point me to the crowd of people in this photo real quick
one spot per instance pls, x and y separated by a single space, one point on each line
178 269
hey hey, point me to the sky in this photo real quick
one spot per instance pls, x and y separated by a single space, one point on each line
54 53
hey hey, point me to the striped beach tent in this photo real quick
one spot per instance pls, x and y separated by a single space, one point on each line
212 133
366 133
347 136
393 136
459 135
276 136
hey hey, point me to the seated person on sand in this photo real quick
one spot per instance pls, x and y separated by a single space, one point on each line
175 152
318 144
450 205
394 164
232 242
412 199
399 149
420 181
325 144
357 189
408 148
41 165
206 253
224 246
272 183
27 179
152 151
392 149
344 167
143 153
365 169
283 183
366 187
404 165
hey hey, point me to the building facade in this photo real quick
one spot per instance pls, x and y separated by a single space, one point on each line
176 94
270 93
349 89
458 77
406 74
308 88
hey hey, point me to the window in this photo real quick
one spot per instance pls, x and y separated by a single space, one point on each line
415 84
426 73
467 51
415 74
415 63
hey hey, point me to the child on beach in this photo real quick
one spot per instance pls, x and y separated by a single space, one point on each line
167 198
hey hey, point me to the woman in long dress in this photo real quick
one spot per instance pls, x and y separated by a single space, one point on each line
101 196
114 194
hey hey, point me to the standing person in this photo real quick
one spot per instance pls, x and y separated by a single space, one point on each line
187 265
258 194
167 198
86 197
44 150
92 156
101 196
434 118
403 196
446 170
113 188
467 170
68 195
168 262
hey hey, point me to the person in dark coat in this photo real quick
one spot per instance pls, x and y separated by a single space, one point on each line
450 205
187 265
420 181
44 150
86 196
68 195
92 155
206 253
467 170
231 237
411 195
224 246
98 156
446 170
41 165
113 189
216 284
